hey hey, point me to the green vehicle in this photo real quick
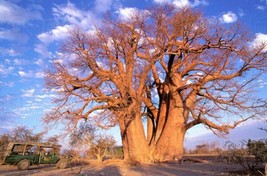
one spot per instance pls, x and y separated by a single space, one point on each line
26 154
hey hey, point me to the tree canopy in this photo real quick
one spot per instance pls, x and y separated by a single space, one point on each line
173 67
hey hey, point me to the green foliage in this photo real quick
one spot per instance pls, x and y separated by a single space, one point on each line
249 154
258 149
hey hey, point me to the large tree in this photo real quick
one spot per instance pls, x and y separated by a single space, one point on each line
173 67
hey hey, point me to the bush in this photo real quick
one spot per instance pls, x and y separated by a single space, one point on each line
249 154
258 149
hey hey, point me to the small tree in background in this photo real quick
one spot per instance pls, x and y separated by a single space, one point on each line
98 144
101 146
82 136
24 134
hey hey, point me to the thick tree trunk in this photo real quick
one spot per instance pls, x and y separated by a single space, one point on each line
170 145
163 112
134 142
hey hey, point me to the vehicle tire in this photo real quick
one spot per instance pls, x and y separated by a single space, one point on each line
24 164
62 164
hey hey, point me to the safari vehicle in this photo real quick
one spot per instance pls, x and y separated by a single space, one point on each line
26 154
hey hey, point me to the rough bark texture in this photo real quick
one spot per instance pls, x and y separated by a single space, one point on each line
134 142
170 145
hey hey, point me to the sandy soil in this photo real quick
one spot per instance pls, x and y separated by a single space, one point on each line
119 168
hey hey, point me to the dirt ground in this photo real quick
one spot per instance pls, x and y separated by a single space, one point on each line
120 168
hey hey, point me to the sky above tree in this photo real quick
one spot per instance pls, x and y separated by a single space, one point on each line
32 31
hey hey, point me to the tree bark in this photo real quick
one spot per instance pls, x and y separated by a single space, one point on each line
134 142
170 144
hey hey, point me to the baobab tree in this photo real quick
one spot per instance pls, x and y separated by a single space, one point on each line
173 67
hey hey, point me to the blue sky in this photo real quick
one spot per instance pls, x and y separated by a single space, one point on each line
31 32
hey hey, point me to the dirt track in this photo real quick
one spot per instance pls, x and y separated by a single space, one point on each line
117 168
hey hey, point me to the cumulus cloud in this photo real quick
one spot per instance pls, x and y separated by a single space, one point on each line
260 39
228 17
128 12
72 17
183 3
59 33
13 14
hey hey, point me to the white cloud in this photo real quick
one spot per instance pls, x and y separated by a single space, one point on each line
59 33
13 14
41 49
260 39
9 51
19 62
39 62
71 17
181 3
4 70
31 74
241 12
162 1
39 74
69 10
260 7
127 13
23 74
27 93
14 35
228 17
45 96
103 5
199 2
76 17
8 84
